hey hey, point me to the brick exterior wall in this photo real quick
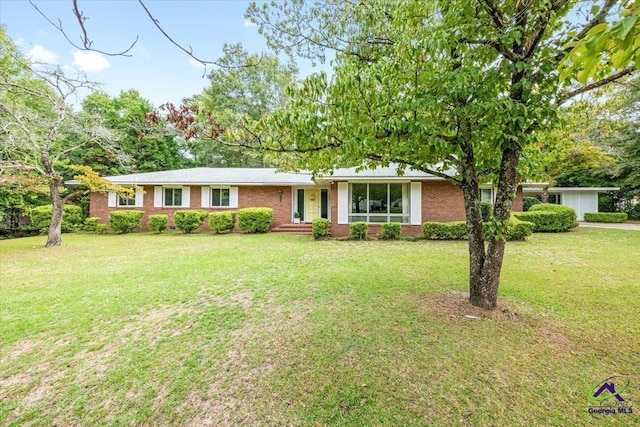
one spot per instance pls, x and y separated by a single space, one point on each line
441 201
250 196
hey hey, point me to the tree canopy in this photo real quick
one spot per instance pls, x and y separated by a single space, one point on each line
430 86
242 91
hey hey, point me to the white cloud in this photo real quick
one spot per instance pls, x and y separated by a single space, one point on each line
39 54
91 62
248 23
195 64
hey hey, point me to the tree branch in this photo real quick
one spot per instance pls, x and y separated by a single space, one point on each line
565 96
86 42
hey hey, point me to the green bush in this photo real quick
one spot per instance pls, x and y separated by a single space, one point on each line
158 223
634 211
125 221
605 217
189 220
72 218
527 202
519 230
485 210
445 230
391 231
255 220
320 228
220 222
549 218
101 229
567 214
358 230
90 224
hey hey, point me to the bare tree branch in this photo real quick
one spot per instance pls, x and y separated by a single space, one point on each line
86 42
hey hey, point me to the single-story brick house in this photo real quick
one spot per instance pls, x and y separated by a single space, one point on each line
375 196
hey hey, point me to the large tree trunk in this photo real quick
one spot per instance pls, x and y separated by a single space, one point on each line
54 237
485 266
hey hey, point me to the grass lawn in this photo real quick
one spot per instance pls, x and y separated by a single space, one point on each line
274 329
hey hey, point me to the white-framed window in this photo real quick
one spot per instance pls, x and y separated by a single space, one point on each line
122 202
172 196
379 202
486 195
114 200
220 197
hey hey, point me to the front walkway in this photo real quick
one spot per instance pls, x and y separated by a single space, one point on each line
623 226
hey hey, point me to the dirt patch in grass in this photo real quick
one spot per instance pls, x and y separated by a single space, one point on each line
456 305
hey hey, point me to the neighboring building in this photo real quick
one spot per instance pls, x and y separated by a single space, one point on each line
375 196
582 199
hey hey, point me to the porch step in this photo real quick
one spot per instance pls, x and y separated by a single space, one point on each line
293 229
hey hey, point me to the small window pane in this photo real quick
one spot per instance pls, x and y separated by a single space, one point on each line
215 197
356 218
224 197
378 218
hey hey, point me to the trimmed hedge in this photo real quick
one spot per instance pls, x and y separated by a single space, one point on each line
125 221
72 218
221 222
605 217
320 228
358 230
456 230
391 230
90 224
158 223
549 217
527 202
519 230
255 220
189 220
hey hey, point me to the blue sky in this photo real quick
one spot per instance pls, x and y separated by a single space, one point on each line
159 70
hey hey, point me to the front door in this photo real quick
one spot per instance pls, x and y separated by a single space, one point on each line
311 204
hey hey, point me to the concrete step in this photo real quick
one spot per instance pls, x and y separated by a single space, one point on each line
293 229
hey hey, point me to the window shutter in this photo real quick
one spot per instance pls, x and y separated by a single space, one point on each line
233 197
416 203
205 193
343 203
157 197
112 199
186 197
139 197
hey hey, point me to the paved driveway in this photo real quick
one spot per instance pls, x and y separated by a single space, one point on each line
624 226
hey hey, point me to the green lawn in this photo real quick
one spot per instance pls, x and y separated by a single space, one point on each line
280 330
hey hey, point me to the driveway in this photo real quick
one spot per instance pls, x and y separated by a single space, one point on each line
623 226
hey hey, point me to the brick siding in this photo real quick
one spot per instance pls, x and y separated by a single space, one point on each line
441 201
250 196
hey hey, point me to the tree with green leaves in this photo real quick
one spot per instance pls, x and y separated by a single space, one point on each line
570 148
243 89
124 115
39 130
433 85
